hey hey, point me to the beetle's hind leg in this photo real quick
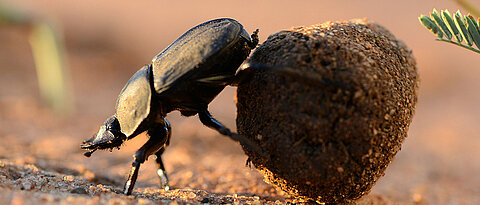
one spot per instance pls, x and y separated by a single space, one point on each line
157 141
247 70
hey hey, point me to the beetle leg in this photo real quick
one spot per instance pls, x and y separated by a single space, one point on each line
245 73
162 174
132 178
158 138
254 41
207 119
221 80
248 163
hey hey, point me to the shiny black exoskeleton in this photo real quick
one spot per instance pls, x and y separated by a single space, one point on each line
186 76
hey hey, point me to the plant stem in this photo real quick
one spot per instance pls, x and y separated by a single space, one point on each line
452 42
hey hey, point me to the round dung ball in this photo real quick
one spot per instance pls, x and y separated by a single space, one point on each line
329 105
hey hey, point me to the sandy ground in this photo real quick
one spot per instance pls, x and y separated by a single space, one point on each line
40 159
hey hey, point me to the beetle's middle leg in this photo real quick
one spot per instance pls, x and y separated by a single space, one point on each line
161 172
158 139
207 119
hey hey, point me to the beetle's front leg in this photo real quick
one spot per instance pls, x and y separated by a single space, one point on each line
140 156
157 141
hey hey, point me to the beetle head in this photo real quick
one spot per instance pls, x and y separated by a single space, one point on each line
108 137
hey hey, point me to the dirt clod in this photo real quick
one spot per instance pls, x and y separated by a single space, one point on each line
333 109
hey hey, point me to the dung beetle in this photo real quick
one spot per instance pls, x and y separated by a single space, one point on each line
186 76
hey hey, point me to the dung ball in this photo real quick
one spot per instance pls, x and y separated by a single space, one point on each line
330 107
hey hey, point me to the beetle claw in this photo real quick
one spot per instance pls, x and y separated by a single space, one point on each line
255 40
89 153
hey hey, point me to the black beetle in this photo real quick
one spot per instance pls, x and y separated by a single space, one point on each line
186 76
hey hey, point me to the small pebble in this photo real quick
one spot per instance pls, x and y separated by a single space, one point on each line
68 178
79 190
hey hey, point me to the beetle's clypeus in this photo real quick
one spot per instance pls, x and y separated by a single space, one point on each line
186 76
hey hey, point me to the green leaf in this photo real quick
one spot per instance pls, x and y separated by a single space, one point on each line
438 20
428 23
461 24
473 30
453 28
478 23
462 27
473 20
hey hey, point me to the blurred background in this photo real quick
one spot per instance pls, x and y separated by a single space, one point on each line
102 43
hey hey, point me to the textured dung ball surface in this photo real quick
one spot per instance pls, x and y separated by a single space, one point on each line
334 113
